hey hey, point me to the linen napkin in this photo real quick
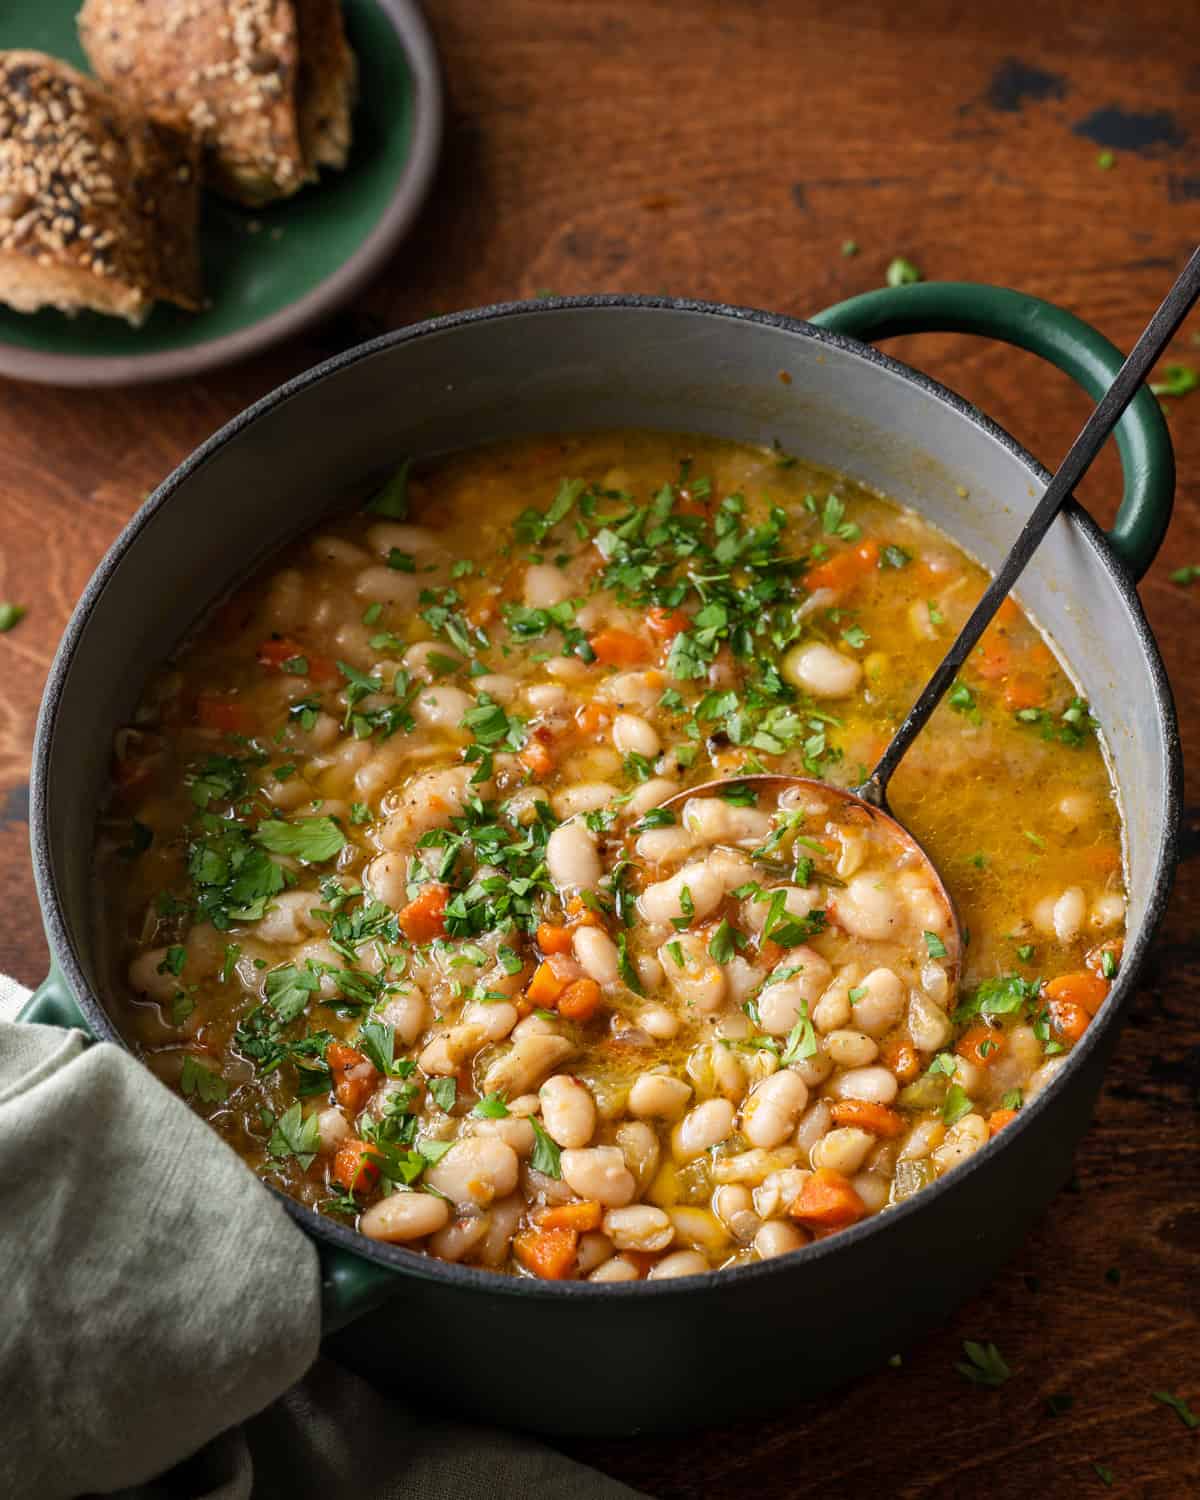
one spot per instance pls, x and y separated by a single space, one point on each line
161 1316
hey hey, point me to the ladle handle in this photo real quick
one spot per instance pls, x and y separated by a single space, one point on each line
1063 340
1143 356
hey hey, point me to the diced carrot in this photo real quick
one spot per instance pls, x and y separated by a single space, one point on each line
274 653
999 1118
1008 611
876 1119
689 505
619 648
1069 1019
545 987
354 1167
580 1000
1039 655
226 714
592 717
901 1059
537 756
1095 959
667 623
424 919
548 1253
551 939
354 1076
1103 859
579 1216
828 1200
981 1044
1083 988
1024 690
992 659
844 568
581 914
483 610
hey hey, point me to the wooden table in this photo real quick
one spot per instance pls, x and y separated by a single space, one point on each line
727 151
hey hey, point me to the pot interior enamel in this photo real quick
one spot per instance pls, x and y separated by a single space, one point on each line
635 363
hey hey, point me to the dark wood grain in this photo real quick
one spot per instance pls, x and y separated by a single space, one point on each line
726 150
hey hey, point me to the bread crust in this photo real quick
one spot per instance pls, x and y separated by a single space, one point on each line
98 206
235 70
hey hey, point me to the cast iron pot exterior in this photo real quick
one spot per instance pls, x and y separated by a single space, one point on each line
670 1353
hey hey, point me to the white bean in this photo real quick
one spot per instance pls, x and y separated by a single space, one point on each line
781 1005
778 1238
698 1228
733 1204
962 1140
495 1018
442 707
384 585
770 1114
867 908
430 801
851 1049
289 918
832 1010
873 1189
545 585
633 735
513 1130
568 1111
659 1022
597 954
476 1169
416 659
383 536
1107 911
639 1227
843 1150
447 1051
633 689
458 1238
820 670
873 1085
334 1128
661 846
778 1191
716 821
337 551
682 1263
703 1127
699 980
583 797
409 1013
878 1002
502 1220
649 795
662 901
1069 912
658 1096
813 1126
599 1172
404 1216
928 1026
571 857
616 1269
525 1064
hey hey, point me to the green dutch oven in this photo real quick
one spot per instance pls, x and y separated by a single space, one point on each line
682 1352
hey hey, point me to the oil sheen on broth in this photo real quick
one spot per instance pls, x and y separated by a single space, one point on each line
392 902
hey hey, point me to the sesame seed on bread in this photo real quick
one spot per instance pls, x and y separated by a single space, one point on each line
236 70
98 206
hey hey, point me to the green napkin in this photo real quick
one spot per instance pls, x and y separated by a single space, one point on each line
157 1300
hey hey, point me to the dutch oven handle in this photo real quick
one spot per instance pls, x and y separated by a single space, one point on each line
350 1285
1074 346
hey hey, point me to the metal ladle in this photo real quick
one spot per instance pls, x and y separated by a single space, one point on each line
869 801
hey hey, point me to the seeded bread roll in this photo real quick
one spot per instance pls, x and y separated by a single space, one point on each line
266 86
98 206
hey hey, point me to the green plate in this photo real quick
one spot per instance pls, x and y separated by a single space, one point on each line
267 271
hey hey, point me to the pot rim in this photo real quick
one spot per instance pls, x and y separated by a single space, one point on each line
426 1267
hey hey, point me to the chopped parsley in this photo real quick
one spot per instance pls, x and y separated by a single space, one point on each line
934 945
312 840
546 1157
984 1364
901 272
392 500
1177 380
1179 1406
293 1135
201 1082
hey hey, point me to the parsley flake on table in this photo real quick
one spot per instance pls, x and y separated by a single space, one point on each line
1179 1406
10 615
1185 575
984 1364
1178 380
901 272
